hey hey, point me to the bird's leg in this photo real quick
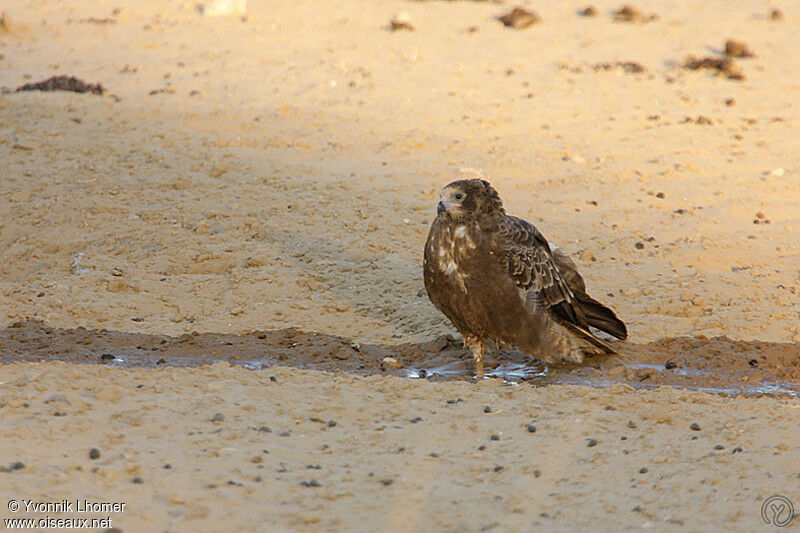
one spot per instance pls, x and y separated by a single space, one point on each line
478 349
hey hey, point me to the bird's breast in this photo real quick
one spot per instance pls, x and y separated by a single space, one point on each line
453 248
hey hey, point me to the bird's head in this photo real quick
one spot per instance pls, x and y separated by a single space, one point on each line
473 198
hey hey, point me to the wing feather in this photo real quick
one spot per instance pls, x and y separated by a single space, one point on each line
529 262
530 265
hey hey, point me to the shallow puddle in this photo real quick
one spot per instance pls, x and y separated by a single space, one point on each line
719 365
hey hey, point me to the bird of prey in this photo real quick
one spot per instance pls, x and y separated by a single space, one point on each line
498 280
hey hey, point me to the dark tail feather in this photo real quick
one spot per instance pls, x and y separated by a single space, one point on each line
590 338
601 317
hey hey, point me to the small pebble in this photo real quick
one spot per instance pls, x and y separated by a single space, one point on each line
391 362
537 473
387 482
498 468
643 470
628 13
94 453
670 365
56 397
273 379
639 245
495 437
589 11
482 447
531 428
219 417
487 409
137 480
331 423
719 447
695 426
401 21
735 48
519 18
738 449
311 483
591 443
415 420
632 424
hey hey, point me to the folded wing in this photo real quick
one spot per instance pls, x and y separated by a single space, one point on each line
552 282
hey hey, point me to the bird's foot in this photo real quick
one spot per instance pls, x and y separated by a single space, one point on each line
478 349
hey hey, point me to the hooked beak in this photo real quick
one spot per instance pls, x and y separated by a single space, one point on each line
445 205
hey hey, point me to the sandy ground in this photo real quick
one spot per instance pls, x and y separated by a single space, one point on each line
399 457
281 171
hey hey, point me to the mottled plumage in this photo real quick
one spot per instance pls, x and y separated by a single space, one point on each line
498 279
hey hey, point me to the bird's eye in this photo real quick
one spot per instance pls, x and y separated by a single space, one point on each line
459 196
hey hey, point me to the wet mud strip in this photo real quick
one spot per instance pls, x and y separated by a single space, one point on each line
717 365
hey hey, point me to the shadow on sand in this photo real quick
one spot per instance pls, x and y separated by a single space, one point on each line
718 365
